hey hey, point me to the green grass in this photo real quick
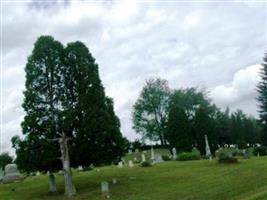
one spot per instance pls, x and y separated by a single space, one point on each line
175 180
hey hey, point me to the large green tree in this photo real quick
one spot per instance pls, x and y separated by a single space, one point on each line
150 111
68 115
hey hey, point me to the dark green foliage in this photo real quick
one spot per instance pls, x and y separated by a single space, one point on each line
179 132
151 109
95 127
41 99
145 164
262 99
184 156
261 151
224 157
166 158
5 159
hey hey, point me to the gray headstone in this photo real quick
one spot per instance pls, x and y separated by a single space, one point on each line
152 154
11 174
143 157
208 153
120 164
130 162
158 158
104 187
174 153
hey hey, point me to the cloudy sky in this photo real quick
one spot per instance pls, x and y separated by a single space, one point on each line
214 45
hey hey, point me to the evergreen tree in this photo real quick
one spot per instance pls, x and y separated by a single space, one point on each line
262 99
90 117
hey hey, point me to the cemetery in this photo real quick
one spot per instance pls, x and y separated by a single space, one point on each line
133 100
196 179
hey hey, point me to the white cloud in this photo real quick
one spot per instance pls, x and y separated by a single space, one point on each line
241 91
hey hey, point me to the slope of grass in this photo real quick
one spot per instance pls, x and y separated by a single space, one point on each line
175 180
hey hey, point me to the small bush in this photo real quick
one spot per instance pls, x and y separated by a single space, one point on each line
260 150
224 157
166 158
145 164
188 156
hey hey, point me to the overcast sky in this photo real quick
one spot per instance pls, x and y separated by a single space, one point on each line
218 46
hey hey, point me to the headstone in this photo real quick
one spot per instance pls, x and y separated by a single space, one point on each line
208 153
258 154
174 153
11 174
136 150
130 151
158 158
143 157
246 153
92 166
130 163
1 174
38 173
104 187
135 159
152 153
114 180
120 164
80 168
60 172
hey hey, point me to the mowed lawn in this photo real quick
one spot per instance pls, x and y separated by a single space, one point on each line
174 180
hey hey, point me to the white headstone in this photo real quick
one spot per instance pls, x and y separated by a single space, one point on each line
11 174
136 150
130 162
104 187
174 153
37 173
143 157
135 159
152 153
130 151
80 168
158 158
120 164
114 180
208 153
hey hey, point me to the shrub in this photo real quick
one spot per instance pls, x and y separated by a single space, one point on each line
146 164
260 150
188 156
166 158
231 151
224 157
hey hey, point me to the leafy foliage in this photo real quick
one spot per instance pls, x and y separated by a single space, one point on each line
150 111
5 159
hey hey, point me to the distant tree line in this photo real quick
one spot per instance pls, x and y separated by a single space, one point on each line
180 118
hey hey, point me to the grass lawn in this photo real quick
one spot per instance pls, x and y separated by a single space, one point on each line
174 180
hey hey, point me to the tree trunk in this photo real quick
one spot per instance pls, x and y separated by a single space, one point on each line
69 187
161 139
52 183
